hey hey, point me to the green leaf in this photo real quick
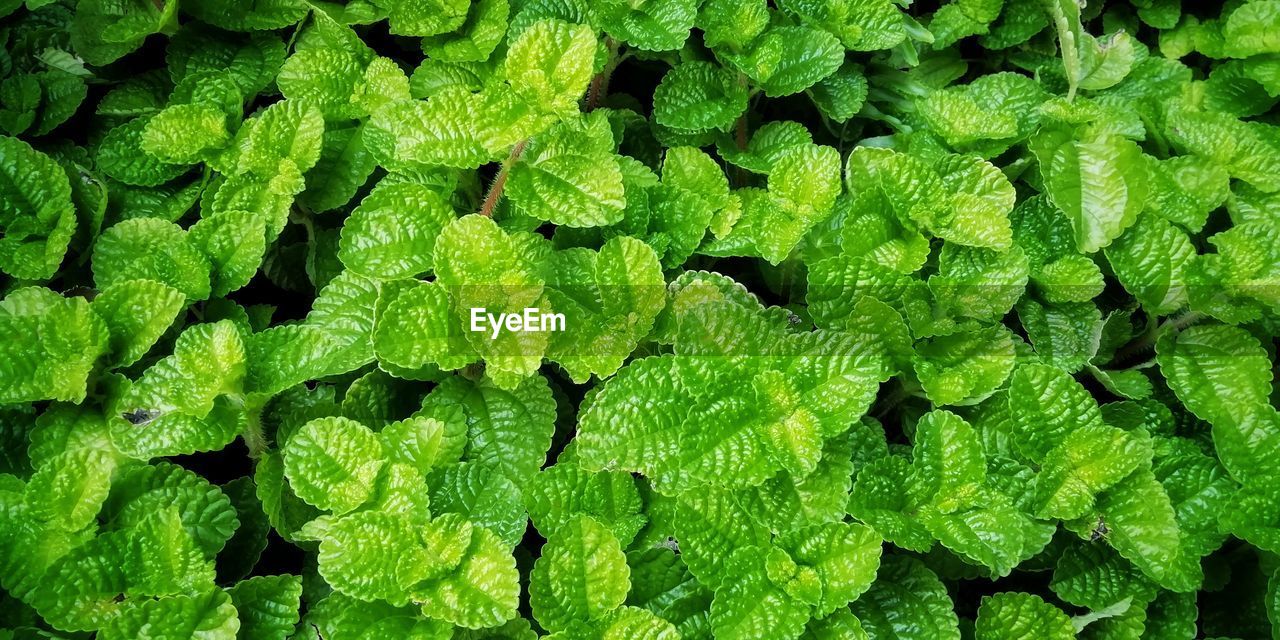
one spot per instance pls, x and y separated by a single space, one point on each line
392 233
559 494
550 63
1094 576
211 615
49 346
474 583
1089 460
267 606
785 60
332 462
652 25
907 601
964 367
484 496
36 212
510 429
68 490
581 575
413 18
476 39
371 555
844 556
697 96
137 313
117 156
1047 404
1143 529
563 181
1066 336
151 249
234 241
1099 183
102 32
754 602
609 300
139 491
1006 616
271 14
184 133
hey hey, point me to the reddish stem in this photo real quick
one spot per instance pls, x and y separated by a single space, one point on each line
500 181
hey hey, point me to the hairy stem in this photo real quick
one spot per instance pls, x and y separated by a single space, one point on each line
1149 338
599 87
500 181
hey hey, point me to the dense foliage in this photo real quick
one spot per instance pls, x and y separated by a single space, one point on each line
883 320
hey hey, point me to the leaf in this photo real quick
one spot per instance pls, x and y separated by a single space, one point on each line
484 496
137 313
610 300
272 14
1091 459
786 60
479 586
1144 530
151 249
844 556
559 494
654 25
211 615
392 233
563 182
137 492
965 366
49 346
1020 615
697 96
36 212
332 462
550 63
267 606
906 601
69 489
1046 404
371 555
117 156
183 133
510 429
582 574
1099 183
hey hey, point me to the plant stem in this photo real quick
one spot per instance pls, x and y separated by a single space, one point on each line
599 87
1149 338
500 181
254 439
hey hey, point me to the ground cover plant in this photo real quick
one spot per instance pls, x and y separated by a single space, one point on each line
878 319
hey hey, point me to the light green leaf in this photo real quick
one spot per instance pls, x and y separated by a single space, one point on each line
267 606
48 346
211 615
550 63
184 133
1089 460
1011 616
474 582
36 212
907 601
696 96
392 233
151 249
1046 405
137 313
332 462
581 575
1099 183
